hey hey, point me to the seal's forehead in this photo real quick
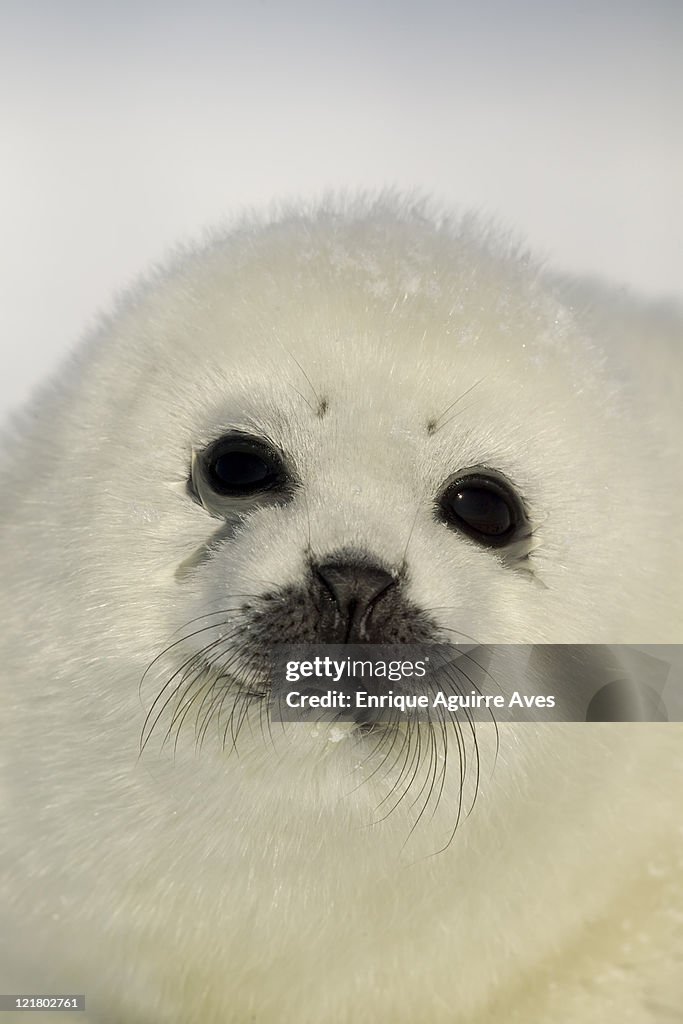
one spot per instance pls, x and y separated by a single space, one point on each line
337 328
369 318
350 386
319 282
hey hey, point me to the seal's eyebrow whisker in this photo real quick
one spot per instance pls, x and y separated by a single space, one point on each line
302 397
321 403
434 425
404 566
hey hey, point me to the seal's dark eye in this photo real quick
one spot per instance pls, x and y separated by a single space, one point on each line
240 471
483 506
241 466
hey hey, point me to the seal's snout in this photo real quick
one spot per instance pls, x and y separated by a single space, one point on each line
347 592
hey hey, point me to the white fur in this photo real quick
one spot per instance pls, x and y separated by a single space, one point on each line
220 888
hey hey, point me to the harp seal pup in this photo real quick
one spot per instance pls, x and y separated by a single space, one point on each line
361 421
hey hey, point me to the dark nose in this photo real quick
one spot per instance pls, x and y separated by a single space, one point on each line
354 587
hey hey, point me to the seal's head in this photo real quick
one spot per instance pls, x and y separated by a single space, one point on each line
366 390
357 424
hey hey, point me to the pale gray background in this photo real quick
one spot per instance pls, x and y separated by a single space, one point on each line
127 125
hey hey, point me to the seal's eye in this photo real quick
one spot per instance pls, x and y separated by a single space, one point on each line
484 506
237 466
241 466
241 472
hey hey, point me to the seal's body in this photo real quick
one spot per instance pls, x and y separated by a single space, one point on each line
352 425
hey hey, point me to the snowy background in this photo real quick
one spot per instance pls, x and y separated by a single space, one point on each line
128 125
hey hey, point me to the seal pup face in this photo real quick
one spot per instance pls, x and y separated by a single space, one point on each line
351 427
343 428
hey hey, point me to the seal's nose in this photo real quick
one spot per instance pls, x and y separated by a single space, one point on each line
353 587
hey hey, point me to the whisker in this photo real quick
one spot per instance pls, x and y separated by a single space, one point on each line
433 426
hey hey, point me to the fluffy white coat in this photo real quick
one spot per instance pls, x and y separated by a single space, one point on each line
272 884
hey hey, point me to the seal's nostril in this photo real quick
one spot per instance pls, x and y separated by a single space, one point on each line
353 586
350 589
